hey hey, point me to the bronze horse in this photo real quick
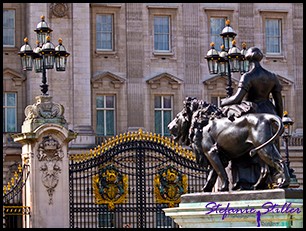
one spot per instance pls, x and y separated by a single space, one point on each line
215 137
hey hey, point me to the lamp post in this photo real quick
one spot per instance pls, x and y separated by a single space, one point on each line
45 55
288 122
229 59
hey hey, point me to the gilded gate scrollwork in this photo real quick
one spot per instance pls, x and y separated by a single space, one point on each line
169 185
110 186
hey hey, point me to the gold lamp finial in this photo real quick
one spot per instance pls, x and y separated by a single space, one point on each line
26 40
60 40
212 44
222 47
234 42
48 38
243 45
227 22
42 18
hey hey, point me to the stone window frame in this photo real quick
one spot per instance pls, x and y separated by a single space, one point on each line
104 109
19 9
163 109
15 83
14 34
6 107
108 83
164 84
227 13
270 14
172 12
114 9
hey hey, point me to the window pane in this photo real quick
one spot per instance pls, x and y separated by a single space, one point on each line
11 100
8 27
3 127
161 32
158 122
110 128
100 102
214 100
273 35
110 102
216 27
104 31
157 102
11 119
100 123
167 120
167 102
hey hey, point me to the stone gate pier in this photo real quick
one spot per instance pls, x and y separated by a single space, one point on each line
44 137
281 208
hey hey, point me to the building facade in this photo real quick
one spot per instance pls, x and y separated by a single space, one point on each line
131 65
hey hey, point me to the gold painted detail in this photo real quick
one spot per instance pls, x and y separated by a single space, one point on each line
16 210
110 186
130 137
169 185
14 180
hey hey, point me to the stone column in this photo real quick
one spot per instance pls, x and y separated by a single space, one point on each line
81 103
45 137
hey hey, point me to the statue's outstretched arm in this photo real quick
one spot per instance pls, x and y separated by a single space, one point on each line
235 99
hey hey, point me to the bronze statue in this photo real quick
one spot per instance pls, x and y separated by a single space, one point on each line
253 96
256 85
216 140
247 122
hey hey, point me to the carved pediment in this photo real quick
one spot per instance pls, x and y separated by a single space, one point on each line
219 78
9 74
165 78
284 81
107 77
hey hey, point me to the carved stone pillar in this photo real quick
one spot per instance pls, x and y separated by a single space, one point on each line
45 137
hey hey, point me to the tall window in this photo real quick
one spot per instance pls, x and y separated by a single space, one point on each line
216 27
273 36
162 33
9 112
216 100
163 114
104 32
8 28
105 106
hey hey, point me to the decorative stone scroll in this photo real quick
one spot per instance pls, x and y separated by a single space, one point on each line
44 111
49 153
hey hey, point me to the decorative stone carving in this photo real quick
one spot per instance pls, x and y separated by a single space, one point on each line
44 110
49 153
59 9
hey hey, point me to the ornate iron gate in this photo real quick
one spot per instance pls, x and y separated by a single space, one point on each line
15 215
128 180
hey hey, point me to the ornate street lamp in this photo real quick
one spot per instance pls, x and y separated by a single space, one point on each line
44 55
228 35
288 122
244 63
229 59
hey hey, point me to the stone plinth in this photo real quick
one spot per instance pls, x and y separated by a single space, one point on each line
45 137
240 209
